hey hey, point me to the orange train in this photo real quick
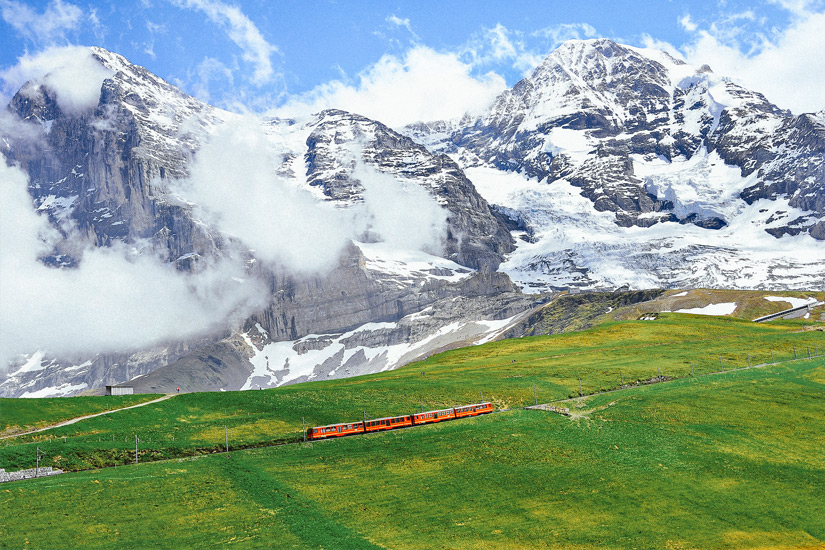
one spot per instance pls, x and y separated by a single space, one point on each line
393 422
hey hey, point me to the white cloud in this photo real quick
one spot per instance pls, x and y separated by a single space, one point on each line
242 31
71 72
400 213
116 300
405 23
423 85
687 23
788 66
235 187
565 31
43 29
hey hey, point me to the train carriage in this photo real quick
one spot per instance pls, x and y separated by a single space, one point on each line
433 416
388 423
335 430
473 410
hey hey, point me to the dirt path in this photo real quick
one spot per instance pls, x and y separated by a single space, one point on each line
79 418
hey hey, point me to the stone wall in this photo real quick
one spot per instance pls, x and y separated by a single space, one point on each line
28 474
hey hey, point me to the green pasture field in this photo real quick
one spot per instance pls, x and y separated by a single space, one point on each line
22 415
510 373
730 460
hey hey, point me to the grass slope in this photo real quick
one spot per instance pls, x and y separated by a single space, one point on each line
506 372
21 415
731 460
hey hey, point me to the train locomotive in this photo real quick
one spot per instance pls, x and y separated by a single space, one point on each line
395 422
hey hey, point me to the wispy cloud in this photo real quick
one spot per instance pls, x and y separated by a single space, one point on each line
48 28
243 32
404 23
687 23
499 47
71 72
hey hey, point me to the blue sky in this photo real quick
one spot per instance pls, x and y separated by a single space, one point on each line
259 55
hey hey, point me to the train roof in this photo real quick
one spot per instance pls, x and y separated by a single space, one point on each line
386 417
436 410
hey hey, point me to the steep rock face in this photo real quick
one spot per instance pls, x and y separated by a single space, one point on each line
98 168
359 291
793 165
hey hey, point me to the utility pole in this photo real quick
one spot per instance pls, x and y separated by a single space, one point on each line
226 437
37 467
721 366
749 360
658 372
772 359
304 428
794 352
535 394
581 393
482 397
136 453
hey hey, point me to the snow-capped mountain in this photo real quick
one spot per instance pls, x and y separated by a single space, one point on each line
628 167
333 245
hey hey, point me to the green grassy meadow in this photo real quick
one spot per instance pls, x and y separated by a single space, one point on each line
731 460
506 372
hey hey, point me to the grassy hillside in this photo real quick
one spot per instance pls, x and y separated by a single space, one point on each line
730 460
22 415
510 373
573 312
